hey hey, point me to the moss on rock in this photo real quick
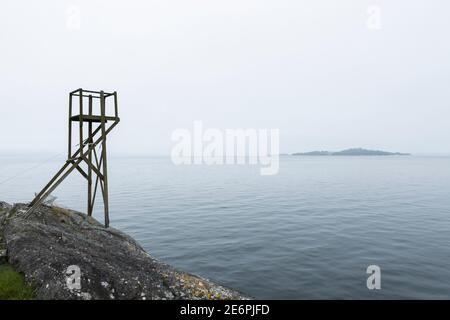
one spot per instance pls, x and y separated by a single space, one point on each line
12 285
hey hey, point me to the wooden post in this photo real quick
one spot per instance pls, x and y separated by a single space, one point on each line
116 107
69 149
81 122
89 206
105 169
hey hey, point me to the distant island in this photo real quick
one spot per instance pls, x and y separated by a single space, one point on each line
351 152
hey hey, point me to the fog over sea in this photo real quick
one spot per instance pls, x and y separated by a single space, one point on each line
308 232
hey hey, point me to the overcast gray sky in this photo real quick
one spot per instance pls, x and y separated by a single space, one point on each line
313 69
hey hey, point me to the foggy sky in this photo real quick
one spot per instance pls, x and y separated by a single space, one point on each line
312 69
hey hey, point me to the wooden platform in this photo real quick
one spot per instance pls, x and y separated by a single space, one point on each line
87 118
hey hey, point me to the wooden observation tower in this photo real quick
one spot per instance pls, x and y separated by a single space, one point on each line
94 124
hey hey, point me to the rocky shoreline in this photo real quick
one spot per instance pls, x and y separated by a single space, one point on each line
65 254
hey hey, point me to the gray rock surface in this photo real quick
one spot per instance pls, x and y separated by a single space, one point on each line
4 207
112 265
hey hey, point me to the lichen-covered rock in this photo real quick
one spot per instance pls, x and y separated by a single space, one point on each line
4 208
53 244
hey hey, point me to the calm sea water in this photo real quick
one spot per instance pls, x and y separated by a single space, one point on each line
308 232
